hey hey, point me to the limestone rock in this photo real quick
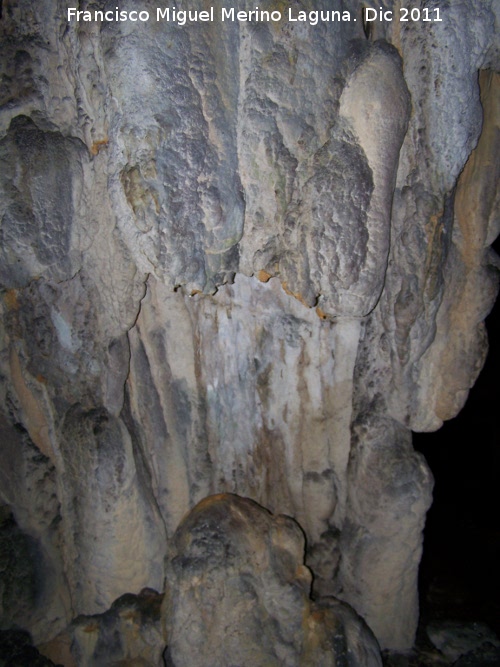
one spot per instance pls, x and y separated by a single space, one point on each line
455 639
129 633
32 572
374 520
238 593
241 257
108 553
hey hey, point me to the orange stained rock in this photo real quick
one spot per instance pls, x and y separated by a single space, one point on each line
98 145
296 295
10 298
263 276
36 421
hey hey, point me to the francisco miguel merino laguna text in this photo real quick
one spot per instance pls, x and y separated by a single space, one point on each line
183 16
313 17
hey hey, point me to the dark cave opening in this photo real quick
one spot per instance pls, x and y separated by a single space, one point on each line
459 577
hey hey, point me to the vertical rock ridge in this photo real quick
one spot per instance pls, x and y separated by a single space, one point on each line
150 174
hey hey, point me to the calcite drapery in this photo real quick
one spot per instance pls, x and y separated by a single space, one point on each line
151 175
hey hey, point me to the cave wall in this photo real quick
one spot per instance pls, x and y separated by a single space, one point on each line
237 257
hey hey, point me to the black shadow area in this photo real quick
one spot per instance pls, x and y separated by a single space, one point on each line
460 568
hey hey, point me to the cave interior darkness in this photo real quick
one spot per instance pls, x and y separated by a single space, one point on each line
459 575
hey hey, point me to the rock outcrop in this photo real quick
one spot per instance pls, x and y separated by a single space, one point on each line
244 257
238 593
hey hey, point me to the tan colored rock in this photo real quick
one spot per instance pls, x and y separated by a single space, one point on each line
238 593
128 634
177 207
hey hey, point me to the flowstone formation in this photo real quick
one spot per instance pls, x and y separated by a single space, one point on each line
245 257
238 594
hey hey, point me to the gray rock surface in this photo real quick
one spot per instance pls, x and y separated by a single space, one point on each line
128 634
456 639
238 594
240 257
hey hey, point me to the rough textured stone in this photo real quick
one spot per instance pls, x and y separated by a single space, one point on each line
238 593
128 634
238 257
455 639
381 580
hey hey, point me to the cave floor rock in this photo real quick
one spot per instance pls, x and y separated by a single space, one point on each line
459 606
